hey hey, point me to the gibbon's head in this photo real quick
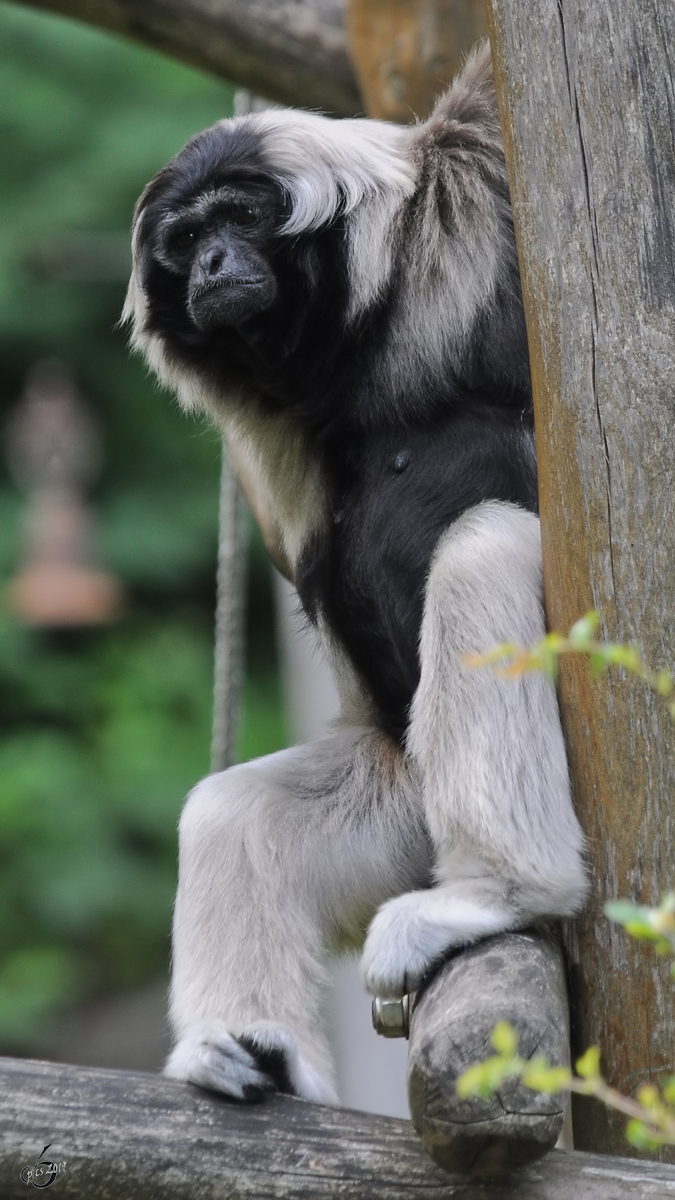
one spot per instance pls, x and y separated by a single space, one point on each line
274 237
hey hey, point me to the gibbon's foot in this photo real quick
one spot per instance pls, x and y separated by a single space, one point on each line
260 1060
412 932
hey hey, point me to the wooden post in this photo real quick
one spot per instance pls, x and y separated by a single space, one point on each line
588 110
405 52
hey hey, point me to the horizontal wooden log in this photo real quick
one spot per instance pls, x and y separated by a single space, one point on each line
292 51
518 977
126 1136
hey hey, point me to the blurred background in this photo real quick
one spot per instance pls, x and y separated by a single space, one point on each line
105 724
111 492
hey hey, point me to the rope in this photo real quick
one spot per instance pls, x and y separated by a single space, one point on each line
230 614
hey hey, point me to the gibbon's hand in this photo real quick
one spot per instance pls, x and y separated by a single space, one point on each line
413 932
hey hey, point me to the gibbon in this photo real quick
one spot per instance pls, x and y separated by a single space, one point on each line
342 297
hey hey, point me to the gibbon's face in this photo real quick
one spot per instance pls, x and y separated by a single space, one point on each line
205 235
258 244
216 244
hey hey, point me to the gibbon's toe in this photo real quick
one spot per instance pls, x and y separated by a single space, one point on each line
213 1059
262 1059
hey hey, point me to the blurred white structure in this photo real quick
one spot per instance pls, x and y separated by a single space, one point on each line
371 1069
53 452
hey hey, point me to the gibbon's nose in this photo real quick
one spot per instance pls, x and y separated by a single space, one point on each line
214 259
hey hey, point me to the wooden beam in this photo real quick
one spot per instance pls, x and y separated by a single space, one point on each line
292 51
588 110
128 1136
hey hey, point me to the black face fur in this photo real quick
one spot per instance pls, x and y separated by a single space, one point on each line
222 251
240 302
404 447
230 297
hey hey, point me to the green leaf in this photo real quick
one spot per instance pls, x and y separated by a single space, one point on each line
655 925
648 1096
640 1136
475 1081
588 1066
539 1076
505 1039
555 643
625 656
663 683
549 662
584 630
636 919
599 663
622 910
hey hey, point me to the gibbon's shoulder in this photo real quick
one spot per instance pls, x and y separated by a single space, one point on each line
463 132
471 98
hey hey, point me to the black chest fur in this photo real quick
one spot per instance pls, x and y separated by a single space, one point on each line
391 499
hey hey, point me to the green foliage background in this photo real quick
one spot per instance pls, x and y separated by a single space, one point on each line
103 731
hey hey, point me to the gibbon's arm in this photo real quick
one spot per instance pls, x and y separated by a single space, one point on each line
508 847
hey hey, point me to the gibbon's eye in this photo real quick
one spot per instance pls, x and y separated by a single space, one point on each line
183 239
242 214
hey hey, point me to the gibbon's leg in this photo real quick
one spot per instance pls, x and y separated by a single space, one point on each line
490 751
282 860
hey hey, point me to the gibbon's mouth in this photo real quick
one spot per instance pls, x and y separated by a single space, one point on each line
215 285
228 301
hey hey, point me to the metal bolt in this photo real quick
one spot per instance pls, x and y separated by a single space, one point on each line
391 1018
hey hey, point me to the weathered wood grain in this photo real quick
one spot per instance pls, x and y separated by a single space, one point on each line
407 51
588 109
128 1136
292 51
518 977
